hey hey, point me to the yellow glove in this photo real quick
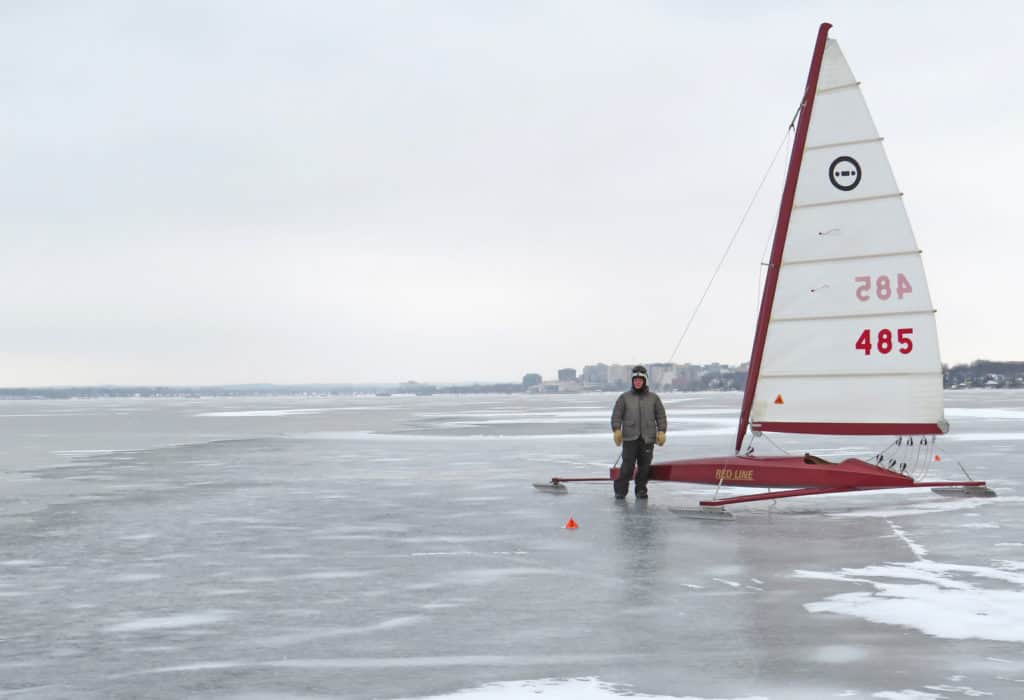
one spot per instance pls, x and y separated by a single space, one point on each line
617 436
660 438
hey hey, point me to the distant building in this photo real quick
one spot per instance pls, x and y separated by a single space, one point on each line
661 375
531 380
595 375
567 375
687 377
618 376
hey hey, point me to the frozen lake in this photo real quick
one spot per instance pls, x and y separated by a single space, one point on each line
393 547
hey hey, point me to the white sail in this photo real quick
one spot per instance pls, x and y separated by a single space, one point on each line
851 344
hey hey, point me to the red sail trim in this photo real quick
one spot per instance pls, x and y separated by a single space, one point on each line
781 228
849 428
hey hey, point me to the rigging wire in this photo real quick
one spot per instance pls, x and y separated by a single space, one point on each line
920 467
739 227
929 456
764 436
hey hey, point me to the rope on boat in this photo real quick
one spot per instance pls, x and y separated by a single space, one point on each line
911 456
750 445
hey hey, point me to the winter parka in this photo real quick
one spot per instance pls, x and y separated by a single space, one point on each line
639 414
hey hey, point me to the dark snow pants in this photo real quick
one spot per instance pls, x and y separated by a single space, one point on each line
638 454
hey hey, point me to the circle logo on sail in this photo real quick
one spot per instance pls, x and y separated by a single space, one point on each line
844 173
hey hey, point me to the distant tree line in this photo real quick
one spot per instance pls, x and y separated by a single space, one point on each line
984 373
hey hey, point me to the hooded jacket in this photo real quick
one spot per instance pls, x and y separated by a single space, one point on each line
639 414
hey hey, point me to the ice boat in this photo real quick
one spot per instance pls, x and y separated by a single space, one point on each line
846 341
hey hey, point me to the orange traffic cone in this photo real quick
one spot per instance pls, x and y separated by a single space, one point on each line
571 525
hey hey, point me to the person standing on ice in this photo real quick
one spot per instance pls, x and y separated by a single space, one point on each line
638 422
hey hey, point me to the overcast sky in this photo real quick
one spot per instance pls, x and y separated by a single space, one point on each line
217 192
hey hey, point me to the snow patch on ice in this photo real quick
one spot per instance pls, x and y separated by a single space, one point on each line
169 622
571 689
940 600
984 437
919 551
985 413
960 689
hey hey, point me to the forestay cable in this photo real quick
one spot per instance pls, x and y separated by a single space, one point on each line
732 240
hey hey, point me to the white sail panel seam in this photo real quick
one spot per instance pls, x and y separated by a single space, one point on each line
808 261
801 375
847 201
855 142
835 88
873 314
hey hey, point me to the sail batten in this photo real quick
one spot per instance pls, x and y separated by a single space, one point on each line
849 339
845 143
836 317
847 86
847 374
844 258
890 195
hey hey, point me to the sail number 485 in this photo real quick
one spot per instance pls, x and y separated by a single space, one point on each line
882 287
884 341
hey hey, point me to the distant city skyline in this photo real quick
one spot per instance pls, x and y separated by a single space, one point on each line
716 375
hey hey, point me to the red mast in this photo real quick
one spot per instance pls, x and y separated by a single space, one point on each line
781 229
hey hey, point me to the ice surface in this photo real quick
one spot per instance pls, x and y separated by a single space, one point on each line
986 437
572 689
169 622
393 547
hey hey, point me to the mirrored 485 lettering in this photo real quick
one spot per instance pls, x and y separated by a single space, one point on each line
881 287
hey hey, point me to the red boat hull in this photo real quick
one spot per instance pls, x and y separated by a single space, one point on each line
778 472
